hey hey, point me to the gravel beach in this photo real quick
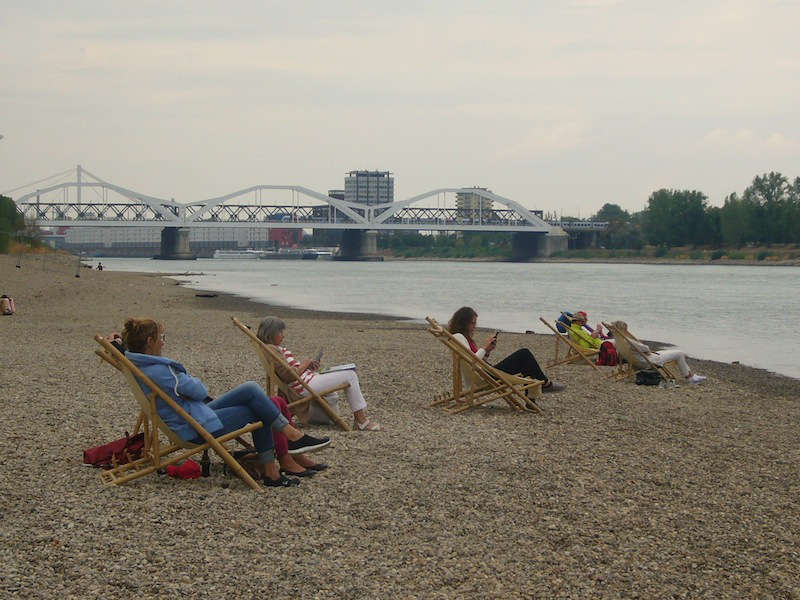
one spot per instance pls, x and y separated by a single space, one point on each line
616 490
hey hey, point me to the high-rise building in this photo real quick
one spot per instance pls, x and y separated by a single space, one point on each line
472 201
369 187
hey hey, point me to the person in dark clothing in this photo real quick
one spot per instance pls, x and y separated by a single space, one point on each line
462 325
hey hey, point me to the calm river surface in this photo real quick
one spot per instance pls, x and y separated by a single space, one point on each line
724 313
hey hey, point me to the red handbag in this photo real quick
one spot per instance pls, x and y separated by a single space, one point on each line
118 452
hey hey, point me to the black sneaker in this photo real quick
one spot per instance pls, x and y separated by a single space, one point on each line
282 481
308 443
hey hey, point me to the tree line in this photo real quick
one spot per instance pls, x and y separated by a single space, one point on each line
767 212
11 222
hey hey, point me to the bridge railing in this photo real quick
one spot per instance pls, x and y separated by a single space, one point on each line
74 211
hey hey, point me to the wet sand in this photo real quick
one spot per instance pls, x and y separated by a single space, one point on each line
615 491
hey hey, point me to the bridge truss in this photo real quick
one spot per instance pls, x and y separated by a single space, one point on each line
98 203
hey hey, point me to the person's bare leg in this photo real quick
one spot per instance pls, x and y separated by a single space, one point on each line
271 470
304 461
292 433
292 464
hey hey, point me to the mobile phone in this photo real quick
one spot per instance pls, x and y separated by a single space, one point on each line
319 355
496 333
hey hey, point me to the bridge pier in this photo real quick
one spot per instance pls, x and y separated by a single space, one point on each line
583 239
357 244
528 245
175 244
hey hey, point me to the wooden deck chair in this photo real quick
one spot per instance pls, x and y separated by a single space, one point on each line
488 383
574 353
280 377
630 356
154 455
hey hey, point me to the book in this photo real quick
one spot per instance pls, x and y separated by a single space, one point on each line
347 367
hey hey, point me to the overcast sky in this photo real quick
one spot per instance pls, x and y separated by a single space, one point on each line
562 106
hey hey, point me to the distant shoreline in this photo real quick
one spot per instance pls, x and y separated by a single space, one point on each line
611 261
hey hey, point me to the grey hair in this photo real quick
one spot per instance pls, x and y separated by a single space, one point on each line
269 328
620 325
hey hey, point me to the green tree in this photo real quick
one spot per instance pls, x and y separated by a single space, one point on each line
675 218
613 213
738 221
621 232
11 221
771 195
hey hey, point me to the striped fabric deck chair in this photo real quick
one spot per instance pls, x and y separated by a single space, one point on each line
487 383
156 456
280 377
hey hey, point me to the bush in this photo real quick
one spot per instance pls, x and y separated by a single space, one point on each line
660 251
717 254
696 255
763 254
736 255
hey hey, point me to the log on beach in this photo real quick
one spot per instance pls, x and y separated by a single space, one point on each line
615 490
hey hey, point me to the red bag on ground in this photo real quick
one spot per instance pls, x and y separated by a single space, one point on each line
118 452
188 470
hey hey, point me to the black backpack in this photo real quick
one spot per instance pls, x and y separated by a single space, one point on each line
648 377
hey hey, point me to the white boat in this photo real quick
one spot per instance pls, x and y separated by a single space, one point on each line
239 254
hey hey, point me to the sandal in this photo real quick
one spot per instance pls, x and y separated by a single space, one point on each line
367 426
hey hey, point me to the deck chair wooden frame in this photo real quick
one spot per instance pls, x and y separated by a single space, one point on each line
488 383
575 352
632 355
154 455
280 376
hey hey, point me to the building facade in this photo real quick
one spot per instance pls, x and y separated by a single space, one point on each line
470 201
369 187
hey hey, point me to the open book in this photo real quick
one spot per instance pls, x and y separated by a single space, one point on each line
347 367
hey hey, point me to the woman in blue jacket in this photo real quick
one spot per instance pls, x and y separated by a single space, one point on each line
246 403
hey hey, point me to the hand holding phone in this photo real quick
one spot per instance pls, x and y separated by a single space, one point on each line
318 357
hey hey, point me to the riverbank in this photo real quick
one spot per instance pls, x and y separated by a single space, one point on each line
627 260
614 488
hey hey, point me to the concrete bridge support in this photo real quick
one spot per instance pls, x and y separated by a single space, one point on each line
526 246
359 245
175 244
583 239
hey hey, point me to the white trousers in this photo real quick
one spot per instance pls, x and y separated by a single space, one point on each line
664 356
323 381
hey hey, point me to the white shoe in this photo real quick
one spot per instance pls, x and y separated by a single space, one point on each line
695 379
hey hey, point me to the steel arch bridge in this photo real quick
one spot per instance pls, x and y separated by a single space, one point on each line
109 205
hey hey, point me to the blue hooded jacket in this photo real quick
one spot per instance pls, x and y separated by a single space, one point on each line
189 392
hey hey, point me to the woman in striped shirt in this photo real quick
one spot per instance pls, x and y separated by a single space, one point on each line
271 331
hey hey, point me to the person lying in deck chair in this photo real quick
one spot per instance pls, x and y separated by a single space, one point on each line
271 331
462 325
246 403
587 337
661 357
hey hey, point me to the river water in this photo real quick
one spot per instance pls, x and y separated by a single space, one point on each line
724 313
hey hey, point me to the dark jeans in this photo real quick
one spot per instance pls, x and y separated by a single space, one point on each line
247 403
522 361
